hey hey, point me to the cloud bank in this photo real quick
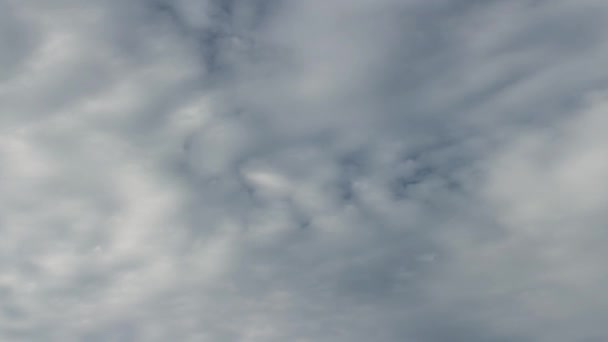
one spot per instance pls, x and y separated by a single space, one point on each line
387 170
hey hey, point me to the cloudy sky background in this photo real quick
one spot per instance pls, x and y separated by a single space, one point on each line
282 170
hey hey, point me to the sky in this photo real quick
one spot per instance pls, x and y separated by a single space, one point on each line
319 170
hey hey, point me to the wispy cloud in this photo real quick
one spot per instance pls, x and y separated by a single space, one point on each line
303 171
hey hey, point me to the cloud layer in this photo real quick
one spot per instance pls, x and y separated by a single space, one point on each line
387 170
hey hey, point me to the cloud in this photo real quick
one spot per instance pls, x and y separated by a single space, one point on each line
544 263
302 171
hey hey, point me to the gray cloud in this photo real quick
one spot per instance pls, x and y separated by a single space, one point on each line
303 171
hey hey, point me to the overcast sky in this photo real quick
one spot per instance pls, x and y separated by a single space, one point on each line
304 170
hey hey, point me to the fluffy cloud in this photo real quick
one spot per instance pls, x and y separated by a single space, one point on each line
306 171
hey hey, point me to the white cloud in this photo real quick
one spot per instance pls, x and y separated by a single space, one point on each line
303 171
